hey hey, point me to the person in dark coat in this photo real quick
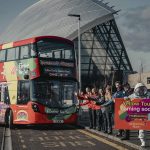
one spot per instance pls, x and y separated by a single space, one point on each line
108 110
128 91
119 94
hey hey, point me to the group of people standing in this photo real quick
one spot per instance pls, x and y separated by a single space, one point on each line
95 99
101 106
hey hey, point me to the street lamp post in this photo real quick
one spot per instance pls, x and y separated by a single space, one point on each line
79 47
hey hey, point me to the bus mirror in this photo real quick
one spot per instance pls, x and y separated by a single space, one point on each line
26 76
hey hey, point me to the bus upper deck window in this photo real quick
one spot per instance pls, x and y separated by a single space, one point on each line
24 52
68 54
33 50
12 53
57 54
2 55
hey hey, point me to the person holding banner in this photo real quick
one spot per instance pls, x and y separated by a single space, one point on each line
119 94
140 91
128 91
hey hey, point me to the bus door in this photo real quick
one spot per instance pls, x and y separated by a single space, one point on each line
4 101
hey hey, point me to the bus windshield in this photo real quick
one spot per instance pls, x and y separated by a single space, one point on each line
50 48
55 94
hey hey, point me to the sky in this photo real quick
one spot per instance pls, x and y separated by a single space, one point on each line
133 22
9 9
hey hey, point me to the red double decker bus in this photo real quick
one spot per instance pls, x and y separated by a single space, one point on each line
38 81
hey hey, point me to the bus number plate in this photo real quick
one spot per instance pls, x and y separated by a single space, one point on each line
51 111
58 121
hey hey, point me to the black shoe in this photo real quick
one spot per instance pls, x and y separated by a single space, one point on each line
91 127
99 129
94 128
105 131
125 138
119 135
109 132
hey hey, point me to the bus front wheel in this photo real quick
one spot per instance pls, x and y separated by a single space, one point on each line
10 120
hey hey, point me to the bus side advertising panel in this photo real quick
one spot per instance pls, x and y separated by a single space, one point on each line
132 114
15 70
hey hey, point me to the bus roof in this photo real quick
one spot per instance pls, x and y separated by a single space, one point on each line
31 40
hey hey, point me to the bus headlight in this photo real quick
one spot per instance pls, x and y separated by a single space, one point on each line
70 110
35 108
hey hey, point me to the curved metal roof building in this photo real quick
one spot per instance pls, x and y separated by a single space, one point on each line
102 49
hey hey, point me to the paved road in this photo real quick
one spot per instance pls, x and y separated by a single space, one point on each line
60 138
1 134
84 121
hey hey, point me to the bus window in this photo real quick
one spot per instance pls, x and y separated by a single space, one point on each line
2 55
48 48
49 93
67 54
6 96
33 50
57 54
24 52
68 89
17 53
46 55
50 55
23 92
12 53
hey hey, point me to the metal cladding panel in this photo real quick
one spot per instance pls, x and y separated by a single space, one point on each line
93 55
49 17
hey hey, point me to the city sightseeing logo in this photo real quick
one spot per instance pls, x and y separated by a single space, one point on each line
22 116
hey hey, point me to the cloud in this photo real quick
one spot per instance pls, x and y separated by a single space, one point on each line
135 29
